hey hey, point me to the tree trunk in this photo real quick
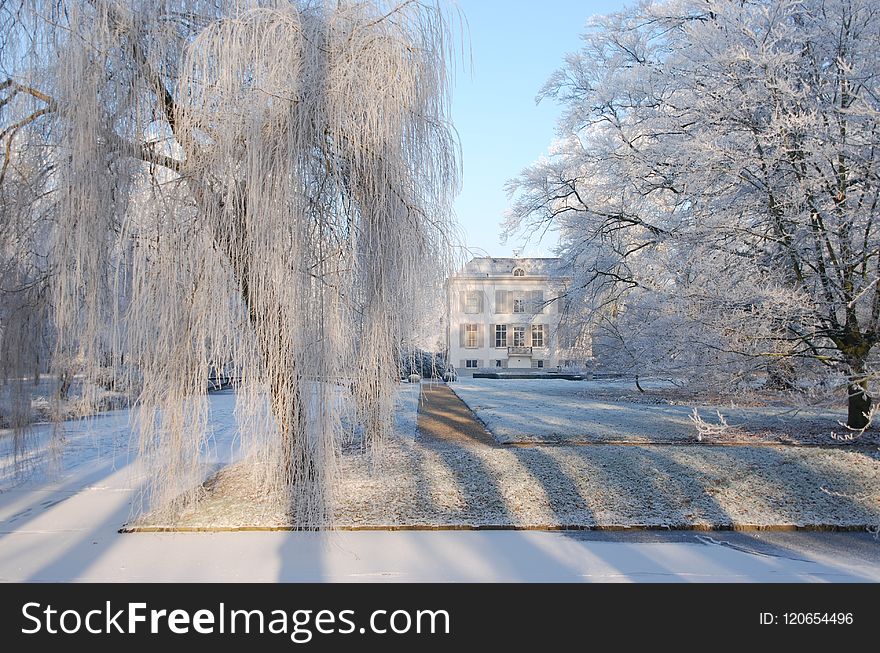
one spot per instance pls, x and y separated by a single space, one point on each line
287 407
65 380
638 385
859 406
284 391
859 402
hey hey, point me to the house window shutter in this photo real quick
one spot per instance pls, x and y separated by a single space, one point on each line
537 300
462 301
492 342
499 301
461 336
481 335
480 305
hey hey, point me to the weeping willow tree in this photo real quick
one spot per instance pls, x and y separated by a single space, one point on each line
260 187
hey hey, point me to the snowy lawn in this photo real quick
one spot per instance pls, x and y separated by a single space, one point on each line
585 411
50 457
435 484
421 483
83 400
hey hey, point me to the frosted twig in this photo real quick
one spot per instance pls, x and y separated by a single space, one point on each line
708 429
852 433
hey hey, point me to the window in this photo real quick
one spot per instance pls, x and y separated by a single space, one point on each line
537 335
473 303
538 363
470 336
501 335
519 272
519 336
519 306
497 362
471 363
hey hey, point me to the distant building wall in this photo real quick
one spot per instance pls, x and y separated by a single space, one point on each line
505 313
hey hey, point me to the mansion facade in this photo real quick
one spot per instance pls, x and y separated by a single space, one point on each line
505 313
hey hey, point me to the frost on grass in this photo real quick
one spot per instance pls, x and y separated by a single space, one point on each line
454 484
255 188
566 411
424 482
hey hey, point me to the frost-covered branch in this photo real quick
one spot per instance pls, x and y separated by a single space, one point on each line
715 192
707 429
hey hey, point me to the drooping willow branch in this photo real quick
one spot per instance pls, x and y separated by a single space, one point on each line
262 190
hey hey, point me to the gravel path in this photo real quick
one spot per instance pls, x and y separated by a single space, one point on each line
443 417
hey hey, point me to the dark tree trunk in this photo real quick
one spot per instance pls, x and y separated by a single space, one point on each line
287 407
859 401
65 380
859 405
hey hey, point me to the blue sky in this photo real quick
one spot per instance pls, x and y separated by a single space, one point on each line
516 46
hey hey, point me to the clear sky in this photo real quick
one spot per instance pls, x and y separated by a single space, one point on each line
516 45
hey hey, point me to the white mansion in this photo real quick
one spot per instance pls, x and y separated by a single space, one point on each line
504 313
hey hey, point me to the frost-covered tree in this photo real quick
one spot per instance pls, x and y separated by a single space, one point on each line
25 332
718 167
261 187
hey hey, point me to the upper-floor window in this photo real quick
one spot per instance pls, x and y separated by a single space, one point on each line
519 336
537 335
470 335
519 272
519 305
473 302
501 335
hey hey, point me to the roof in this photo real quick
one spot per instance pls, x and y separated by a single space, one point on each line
489 266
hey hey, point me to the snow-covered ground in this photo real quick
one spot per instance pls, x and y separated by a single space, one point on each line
64 526
550 410
82 400
426 483
674 486
53 455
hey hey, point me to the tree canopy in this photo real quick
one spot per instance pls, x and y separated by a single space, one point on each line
715 186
